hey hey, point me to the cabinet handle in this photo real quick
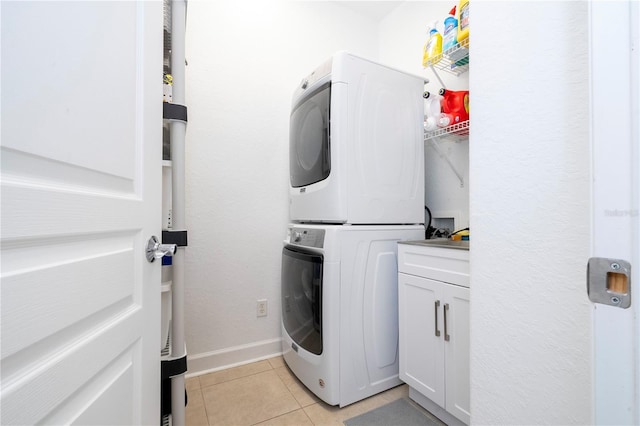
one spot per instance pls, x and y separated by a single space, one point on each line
446 334
436 303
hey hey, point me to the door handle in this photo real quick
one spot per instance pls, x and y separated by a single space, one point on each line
155 250
446 334
435 309
609 281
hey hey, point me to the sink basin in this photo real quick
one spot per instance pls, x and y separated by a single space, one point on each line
439 242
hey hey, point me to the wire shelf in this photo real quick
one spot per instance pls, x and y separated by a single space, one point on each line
454 60
166 351
458 129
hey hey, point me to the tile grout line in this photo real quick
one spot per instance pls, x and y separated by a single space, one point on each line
303 408
237 378
290 393
204 405
271 368
307 414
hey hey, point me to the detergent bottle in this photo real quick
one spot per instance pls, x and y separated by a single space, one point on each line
463 21
455 104
450 38
433 46
432 110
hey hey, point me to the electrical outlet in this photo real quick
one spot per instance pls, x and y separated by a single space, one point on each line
262 308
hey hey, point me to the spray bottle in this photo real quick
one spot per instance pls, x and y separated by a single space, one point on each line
433 46
450 30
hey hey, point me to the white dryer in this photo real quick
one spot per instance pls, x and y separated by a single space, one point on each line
357 145
340 308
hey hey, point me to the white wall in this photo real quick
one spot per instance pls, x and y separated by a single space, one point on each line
529 166
245 59
402 36
529 177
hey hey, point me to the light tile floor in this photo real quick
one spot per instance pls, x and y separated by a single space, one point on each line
267 393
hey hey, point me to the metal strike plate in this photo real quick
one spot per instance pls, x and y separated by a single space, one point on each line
609 281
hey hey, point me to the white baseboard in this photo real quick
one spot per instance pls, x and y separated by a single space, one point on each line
209 362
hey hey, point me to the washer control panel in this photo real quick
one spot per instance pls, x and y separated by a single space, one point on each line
306 237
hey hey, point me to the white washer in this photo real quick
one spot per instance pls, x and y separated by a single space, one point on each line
356 145
340 308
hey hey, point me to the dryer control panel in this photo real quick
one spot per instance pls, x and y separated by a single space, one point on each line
306 237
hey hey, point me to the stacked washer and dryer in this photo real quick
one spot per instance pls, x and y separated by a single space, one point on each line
356 189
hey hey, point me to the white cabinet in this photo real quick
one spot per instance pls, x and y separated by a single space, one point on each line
434 327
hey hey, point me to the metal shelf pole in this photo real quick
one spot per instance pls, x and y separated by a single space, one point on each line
178 130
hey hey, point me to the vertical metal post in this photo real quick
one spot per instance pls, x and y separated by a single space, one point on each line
178 130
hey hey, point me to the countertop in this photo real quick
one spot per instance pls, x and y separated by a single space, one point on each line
439 242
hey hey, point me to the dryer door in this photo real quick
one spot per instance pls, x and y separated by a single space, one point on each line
309 147
302 297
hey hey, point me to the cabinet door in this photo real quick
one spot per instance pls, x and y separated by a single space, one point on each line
456 351
421 350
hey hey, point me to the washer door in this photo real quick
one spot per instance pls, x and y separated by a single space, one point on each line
302 297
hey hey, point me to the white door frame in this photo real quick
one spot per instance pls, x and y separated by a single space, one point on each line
614 86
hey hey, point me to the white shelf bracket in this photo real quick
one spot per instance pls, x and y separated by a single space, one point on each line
437 77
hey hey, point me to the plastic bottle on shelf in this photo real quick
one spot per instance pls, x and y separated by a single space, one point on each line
450 38
432 110
456 104
463 21
433 46
445 120
430 124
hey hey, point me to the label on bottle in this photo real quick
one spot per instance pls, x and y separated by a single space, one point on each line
429 47
449 40
464 17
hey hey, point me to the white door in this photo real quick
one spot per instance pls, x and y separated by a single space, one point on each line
615 90
81 176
